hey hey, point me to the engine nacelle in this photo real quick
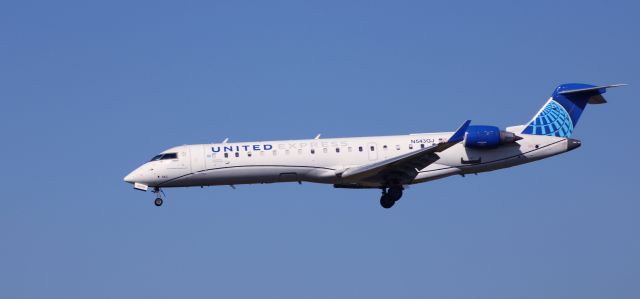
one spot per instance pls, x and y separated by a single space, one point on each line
488 137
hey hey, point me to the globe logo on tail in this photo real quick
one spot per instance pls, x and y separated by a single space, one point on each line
553 120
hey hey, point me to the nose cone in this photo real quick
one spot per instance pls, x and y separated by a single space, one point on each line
134 176
573 144
129 178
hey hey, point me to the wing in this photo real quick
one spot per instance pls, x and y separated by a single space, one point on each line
403 168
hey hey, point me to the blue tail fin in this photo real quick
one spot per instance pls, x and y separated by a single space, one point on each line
559 116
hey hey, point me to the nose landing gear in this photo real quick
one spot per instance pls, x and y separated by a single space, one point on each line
390 196
159 194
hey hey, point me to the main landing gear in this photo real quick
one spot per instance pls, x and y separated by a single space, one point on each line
390 196
159 193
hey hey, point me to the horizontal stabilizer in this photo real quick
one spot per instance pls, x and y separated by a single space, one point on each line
593 92
592 88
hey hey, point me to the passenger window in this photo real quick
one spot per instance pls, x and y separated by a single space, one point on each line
313 151
373 148
248 154
359 148
410 146
337 149
237 154
422 145
384 147
226 155
397 147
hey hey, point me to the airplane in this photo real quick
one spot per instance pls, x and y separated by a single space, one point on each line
388 163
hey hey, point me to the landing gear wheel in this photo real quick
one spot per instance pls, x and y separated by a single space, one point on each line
386 201
158 202
395 193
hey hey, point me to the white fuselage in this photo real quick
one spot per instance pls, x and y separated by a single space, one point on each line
322 160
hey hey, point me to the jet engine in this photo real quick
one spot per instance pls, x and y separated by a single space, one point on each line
488 137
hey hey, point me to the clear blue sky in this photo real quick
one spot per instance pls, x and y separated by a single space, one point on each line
91 90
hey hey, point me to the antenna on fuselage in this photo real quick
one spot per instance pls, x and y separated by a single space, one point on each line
225 140
317 136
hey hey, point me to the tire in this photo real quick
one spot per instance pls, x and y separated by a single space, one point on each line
158 202
395 193
387 201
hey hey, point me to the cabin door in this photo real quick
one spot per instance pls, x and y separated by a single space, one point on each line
198 158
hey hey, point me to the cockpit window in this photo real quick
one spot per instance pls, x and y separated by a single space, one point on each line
169 156
166 156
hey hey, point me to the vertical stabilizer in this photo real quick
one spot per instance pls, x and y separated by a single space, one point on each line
560 114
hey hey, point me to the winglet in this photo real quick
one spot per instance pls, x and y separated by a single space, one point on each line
459 134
